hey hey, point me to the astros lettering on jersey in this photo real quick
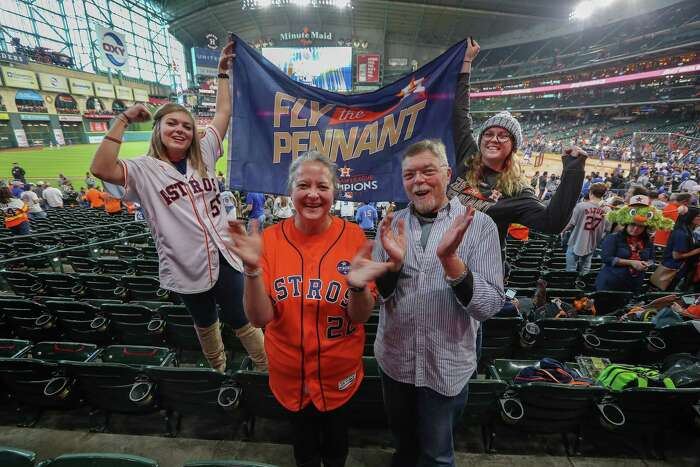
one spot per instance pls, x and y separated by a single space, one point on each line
314 350
185 215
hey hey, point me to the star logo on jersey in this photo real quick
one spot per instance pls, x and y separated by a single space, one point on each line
345 171
344 267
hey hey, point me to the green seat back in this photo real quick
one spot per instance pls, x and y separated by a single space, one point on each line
13 457
98 460
229 463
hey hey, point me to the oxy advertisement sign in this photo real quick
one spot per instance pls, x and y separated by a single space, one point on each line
81 87
112 47
53 83
18 78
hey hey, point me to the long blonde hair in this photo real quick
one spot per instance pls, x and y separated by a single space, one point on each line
511 180
157 148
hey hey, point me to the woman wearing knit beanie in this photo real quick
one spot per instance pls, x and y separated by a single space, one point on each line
489 175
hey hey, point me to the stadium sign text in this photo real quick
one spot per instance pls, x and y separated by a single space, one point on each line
112 47
306 35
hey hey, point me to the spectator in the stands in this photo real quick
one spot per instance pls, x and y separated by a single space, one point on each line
682 252
31 199
89 180
255 208
366 216
678 205
18 173
17 188
628 253
53 196
282 208
587 226
14 212
94 196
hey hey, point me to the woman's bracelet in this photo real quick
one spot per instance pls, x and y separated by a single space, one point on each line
223 76
124 120
466 61
114 140
252 274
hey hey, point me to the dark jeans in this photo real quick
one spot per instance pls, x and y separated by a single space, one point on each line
227 293
421 422
320 436
21 229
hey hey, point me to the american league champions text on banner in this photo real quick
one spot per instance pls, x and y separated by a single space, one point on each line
112 47
276 119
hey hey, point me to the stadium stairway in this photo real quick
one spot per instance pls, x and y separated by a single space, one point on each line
48 443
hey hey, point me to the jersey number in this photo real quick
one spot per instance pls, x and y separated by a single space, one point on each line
592 222
214 204
338 326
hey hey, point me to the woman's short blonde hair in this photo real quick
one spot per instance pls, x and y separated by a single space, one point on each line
312 156
157 148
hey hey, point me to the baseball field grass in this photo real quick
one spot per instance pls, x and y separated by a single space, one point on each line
72 161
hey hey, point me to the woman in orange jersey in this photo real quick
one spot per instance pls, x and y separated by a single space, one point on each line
310 283
14 212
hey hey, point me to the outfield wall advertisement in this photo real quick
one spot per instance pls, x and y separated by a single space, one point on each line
81 87
54 83
18 78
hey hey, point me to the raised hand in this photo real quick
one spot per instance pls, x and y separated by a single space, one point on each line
227 56
472 51
248 247
138 113
447 247
394 243
363 270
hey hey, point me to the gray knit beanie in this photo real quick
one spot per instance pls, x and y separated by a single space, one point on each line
504 120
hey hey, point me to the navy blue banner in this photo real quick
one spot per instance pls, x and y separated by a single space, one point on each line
276 119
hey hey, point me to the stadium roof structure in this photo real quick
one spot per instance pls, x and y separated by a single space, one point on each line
431 24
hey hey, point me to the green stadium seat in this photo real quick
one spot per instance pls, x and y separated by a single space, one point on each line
609 301
257 399
98 460
225 463
127 252
61 285
23 283
144 288
115 267
101 286
13 348
81 322
545 408
482 407
621 342
13 457
146 267
83 265
28 319
199 392
179 329
132 323
499 337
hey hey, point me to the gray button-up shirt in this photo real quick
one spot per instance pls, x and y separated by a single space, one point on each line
426 337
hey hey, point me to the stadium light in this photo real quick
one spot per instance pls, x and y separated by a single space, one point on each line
587 8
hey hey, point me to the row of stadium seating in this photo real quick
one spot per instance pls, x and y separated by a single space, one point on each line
141 381
13 457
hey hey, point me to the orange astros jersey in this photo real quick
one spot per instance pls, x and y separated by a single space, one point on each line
314 351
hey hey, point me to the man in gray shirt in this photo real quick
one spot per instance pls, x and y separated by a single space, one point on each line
446 278
588 227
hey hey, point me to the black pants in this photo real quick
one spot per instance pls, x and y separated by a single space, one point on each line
320 436
227 293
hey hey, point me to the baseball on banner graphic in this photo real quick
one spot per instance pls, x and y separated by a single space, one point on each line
112 46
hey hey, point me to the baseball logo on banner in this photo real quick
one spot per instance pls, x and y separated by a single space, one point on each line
112 47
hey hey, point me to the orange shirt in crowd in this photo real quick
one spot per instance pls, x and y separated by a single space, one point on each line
519 232
670 211
112 204
95 197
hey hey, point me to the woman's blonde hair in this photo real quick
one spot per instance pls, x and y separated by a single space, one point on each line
157 148
511 180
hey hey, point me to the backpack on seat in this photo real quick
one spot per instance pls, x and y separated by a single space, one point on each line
618 377
549 370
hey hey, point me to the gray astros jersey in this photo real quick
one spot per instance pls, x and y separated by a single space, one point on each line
185 215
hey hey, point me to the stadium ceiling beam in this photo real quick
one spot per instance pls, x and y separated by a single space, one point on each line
457 9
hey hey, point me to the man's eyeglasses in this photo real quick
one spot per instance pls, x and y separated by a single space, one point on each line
428 172
499 137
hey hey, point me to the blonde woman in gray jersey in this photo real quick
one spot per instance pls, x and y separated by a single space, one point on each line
176 186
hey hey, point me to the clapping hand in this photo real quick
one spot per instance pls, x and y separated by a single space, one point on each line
363 269
246 246
394 243
454 235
